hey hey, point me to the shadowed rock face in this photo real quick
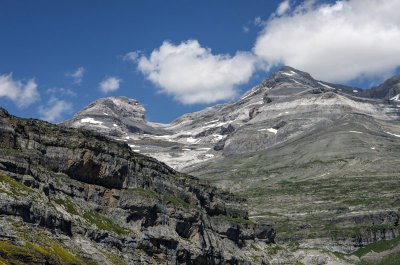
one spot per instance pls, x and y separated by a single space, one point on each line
99 201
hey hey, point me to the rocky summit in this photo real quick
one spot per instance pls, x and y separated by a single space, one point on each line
318 161
71 196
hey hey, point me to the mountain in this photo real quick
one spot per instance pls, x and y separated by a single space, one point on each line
71 196
290 101
115 116
317 160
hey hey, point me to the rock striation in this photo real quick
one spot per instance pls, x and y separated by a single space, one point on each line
316 159
71 196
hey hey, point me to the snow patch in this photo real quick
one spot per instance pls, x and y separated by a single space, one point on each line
272 130
115 125
396 98
91 121
186 149
373 148
215 125
355 132
218 137
297 82
192 140
396 135
105 113
291 73
214 121
137 151
203 149
250 94
355 91
209 155
322 84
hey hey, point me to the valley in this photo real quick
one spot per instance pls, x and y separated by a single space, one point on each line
318 161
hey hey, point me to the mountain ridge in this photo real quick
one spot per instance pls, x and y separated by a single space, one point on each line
281 139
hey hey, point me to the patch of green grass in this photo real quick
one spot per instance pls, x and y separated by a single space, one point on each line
390 260
144 192
274 249
68 205
92 217
378 246
254 247
102 222
176 201
15 188
31 253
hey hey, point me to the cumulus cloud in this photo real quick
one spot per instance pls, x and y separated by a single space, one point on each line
55 109
283 7
110 84
77 75
23 94
335 42
192 74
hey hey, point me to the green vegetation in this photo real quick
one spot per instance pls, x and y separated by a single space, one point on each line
92 217
176 201
144 192
102 222
68 205
31 253
392 259
15 188
378 246
274 249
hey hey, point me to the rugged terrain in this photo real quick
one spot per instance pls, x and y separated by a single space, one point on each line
317 160
70 196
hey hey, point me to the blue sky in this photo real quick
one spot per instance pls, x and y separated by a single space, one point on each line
184 55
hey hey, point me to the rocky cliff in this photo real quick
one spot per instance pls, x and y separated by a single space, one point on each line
70 196
326 155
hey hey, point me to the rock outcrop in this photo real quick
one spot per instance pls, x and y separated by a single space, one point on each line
325 154
70 196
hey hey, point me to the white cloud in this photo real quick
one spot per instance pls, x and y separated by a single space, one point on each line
61 91
131 56
77 75
335 42
283 7
22 94
258 21
55 109
192 74
110 84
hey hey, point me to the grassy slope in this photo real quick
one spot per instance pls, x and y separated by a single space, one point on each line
305 183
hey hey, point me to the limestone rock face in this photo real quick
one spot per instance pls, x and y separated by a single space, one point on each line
73 196
114 116
324 155
289 97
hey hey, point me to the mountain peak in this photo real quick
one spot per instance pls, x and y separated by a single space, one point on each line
116 106
112 115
